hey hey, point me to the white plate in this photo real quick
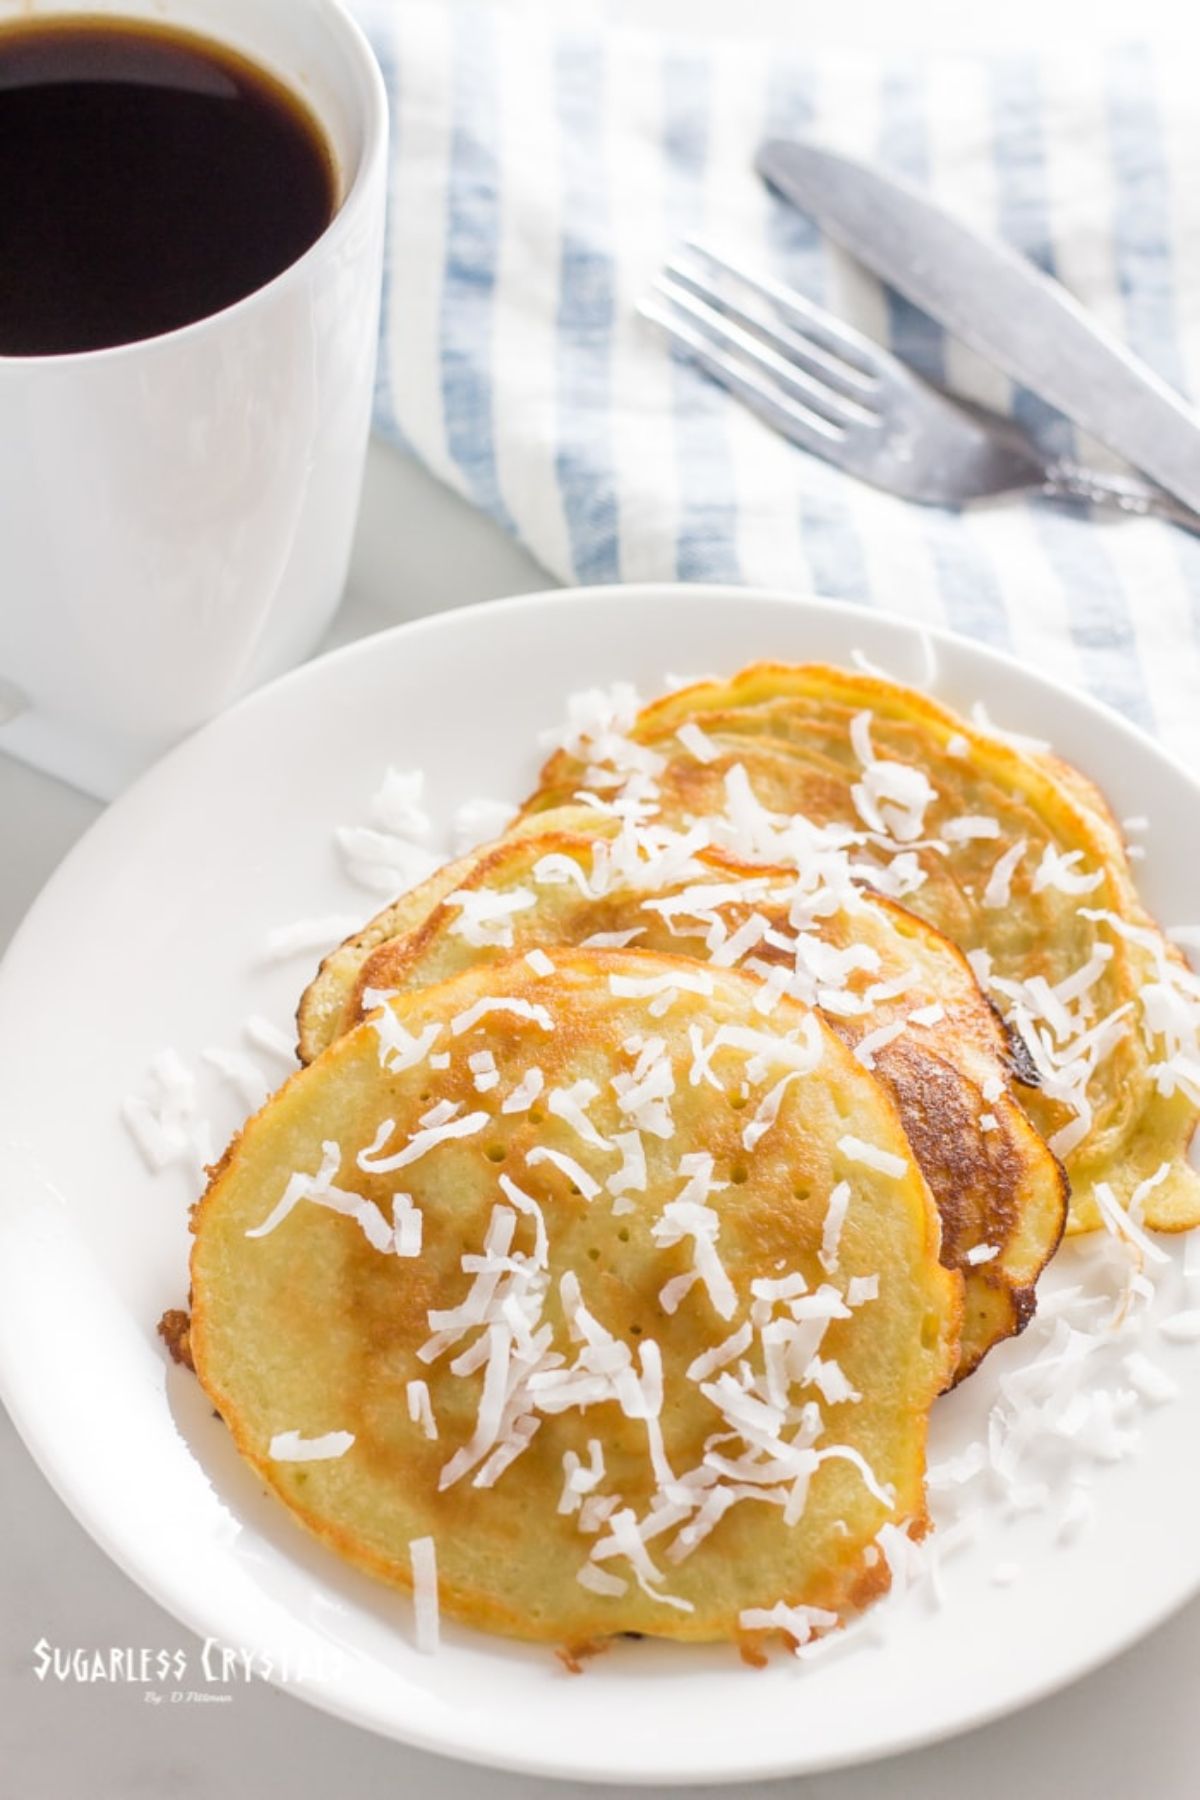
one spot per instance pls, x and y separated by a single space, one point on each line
151 935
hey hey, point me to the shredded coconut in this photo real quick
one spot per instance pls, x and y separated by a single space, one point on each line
982 1253
289 1446
697 743
998 891
518 1009
419 1409
422 1553
478 822
1182 1327
566 1165
306 936
525 1093
855 1150
835 1218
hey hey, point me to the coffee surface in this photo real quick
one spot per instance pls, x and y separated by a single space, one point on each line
148 178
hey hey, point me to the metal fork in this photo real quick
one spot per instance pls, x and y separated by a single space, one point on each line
835 392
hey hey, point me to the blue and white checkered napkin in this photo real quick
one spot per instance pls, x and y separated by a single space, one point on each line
540 176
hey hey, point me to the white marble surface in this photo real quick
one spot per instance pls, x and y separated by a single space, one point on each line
1125 1733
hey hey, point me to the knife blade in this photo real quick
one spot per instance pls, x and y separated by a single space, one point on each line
998 303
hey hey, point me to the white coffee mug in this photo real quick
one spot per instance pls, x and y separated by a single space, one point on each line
176 515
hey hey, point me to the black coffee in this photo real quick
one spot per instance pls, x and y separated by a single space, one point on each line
148 178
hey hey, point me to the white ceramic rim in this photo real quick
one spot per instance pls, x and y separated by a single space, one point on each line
374 112
18 1386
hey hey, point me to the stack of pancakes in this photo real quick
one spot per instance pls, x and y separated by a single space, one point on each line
654 1168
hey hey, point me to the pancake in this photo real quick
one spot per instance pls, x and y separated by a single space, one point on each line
321 1005
556 1298
869 965
1009 852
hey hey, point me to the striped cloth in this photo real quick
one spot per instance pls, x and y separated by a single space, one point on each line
539 176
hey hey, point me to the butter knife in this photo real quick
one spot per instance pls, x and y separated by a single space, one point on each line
995 301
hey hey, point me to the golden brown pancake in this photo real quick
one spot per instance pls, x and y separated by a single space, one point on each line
323 1000
677 1339
1000 1192
1009 852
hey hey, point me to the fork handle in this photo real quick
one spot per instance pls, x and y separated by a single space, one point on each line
1068 481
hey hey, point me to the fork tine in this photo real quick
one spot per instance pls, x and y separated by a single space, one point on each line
853 347
792 420
831 371
814 395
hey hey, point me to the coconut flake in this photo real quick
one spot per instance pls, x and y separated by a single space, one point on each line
613 940
485 918
306 936
629 987
644 1093
166 1124
631 1176
799 1623
830 1380
450 1324
767 1114
525 1093
490 1417
382 862
998 891
1076 1515
289 1446
570 1105
1059 871
320 1190
1151 1382
860 738
580 1479
479 821
1016 740
709 1361
566 1165
928 1015
601 1581
625 1540
688 1217
400 1049
883 1161
982 1253
864 1050
892 798
697 743
420 1143
265 1035
674 1292
518 1009
967 828
1181 1327
407 1226
835 1218
419 1409
422 1555
482 1065
242 1073
1122 1223
885 1494
559 870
